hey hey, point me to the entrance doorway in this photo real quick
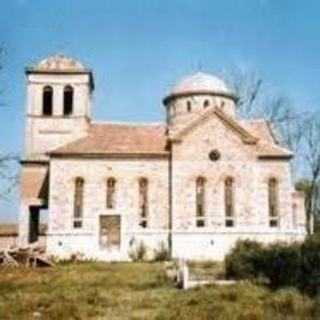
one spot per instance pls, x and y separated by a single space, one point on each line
110 232
37 222
34 224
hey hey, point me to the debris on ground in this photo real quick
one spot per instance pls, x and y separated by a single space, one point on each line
29 256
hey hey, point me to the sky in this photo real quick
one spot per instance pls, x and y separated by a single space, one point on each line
139 49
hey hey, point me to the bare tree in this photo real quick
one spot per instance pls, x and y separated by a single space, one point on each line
255 100
8 175
298 132
311 152
247 87
8 162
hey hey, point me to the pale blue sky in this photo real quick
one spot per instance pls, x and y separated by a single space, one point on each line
138 49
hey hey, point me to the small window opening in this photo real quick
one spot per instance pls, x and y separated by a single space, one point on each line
273 187
47 101
189 106
111 190
229 202
206 103
68 101
143 202
200 202
78 203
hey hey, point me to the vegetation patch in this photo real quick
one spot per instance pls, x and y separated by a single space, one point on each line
280 264
94 290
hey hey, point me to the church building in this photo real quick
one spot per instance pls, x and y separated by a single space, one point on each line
195 183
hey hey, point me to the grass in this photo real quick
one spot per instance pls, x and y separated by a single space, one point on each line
206 270
138 291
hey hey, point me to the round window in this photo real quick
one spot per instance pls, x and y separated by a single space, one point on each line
214 155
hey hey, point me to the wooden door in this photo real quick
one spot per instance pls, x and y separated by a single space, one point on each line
110 231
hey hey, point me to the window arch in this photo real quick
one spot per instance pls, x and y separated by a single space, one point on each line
143 202
111 190
206 103
229 201
47 101
200 202
78 203
189 106
67 100
273 200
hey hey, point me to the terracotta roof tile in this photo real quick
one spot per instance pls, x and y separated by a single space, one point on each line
267 150
151 139
258 128
267 145
114 138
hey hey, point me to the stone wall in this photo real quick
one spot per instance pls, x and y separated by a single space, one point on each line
64 240
185 109
239 161
45 133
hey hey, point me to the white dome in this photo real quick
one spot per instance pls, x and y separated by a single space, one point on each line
201 82
60 63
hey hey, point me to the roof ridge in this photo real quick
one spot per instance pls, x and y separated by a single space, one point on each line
246 136
126 123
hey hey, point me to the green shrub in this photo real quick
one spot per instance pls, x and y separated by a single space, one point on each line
139 252
162 253
282 264
279 263
310 265
245 260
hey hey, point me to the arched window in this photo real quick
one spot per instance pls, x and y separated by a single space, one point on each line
47 101
67 100
200 202
78 203
111 190
273 202
229 201
189 106
143 202
206 103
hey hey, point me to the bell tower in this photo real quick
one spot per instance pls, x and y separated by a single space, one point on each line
59 91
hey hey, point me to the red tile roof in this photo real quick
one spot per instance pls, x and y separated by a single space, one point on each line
114 138
151 139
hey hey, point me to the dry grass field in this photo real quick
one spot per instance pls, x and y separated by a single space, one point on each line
117 291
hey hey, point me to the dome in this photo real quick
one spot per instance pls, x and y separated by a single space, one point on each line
59 63
200 83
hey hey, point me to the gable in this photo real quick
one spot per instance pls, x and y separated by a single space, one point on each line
215 128
213 134
228 121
